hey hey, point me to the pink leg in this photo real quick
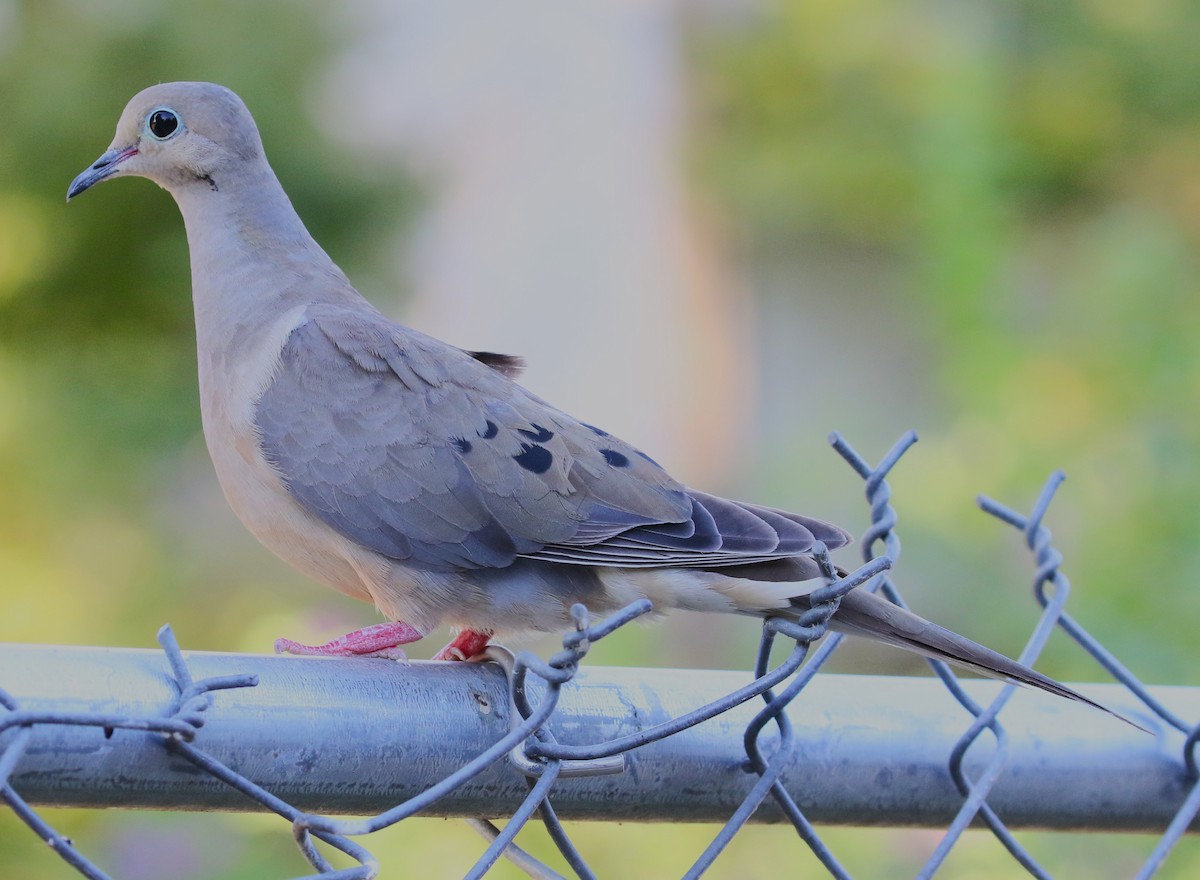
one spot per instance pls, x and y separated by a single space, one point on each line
380 640
467 644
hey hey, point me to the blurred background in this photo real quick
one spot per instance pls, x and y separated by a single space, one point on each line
719 229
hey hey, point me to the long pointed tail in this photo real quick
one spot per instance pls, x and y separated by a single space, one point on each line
865 614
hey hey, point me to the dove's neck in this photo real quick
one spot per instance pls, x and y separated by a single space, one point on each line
252 259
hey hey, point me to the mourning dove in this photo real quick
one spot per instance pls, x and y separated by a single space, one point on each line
420 477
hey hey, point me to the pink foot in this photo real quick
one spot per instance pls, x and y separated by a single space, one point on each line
467 644
380 640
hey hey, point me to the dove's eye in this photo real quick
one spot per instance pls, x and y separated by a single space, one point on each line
162 123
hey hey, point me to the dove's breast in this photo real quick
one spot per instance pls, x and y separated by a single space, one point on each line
230 387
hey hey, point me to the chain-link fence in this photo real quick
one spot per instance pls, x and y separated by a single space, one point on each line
522 736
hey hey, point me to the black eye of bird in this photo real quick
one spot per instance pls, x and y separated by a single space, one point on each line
163 124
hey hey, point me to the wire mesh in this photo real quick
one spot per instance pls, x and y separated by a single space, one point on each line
535 685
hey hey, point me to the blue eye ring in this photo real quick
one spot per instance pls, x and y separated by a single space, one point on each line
163 123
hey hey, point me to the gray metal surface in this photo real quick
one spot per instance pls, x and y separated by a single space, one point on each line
358 736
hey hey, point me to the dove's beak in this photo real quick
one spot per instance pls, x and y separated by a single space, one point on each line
103 167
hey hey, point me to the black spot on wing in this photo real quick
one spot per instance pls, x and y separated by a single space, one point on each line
538 434
463 445
614 458
490 430
536 459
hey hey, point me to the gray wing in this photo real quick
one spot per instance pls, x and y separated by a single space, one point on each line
429 455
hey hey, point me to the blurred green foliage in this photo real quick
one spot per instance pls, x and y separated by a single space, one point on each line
1030 174
1027 174
98 399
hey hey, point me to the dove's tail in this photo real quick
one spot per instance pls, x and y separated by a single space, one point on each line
866 614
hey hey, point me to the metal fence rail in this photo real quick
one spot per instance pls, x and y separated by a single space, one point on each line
307 737
311 725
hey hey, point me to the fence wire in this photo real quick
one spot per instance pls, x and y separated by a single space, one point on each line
534 687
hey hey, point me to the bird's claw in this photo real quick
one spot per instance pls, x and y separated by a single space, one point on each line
382 640
467 645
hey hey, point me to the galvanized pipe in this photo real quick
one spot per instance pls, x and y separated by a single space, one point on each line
360 736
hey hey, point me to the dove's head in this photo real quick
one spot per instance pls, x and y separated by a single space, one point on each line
180 135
